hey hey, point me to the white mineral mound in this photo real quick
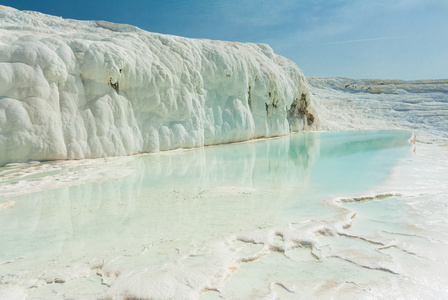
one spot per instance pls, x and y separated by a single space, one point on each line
353 104
76 89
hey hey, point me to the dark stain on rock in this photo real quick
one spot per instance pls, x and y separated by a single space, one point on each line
299 109
114 85
249 98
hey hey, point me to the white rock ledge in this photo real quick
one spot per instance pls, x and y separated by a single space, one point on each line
83 89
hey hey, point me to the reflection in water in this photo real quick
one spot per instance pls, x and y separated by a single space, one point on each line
304 149
175 200
167 194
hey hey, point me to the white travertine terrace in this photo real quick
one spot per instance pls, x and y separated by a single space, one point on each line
83 89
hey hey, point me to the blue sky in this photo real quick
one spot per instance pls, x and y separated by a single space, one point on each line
382 39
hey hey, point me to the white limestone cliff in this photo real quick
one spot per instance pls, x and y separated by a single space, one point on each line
83 89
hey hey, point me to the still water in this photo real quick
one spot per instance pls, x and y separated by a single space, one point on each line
239 221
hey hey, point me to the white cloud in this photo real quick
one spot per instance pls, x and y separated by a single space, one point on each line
359 40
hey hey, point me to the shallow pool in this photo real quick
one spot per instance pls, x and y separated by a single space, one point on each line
239 221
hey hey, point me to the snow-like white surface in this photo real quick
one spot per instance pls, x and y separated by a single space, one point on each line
351 104
78 89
